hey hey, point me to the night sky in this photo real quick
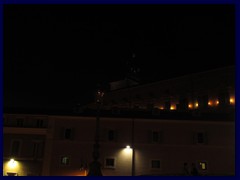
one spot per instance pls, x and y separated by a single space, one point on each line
57 55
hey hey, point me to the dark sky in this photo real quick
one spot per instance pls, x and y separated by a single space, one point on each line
56 55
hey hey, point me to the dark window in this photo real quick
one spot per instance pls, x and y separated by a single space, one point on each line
39 123
37 149
155 136
68 133
200 137
110 162
19 122
155 164
15 148
111 135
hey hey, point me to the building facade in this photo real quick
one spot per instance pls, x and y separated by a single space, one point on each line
62 145
190 119
206 91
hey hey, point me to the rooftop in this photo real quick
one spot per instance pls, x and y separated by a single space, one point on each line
132 113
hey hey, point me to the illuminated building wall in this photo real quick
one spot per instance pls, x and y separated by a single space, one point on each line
161 146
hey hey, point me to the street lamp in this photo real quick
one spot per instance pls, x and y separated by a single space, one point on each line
12 163
95 166
133 149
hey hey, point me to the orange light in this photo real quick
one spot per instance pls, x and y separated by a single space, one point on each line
83 172
172 107
161 107
217 102
232 100
209 103
190 106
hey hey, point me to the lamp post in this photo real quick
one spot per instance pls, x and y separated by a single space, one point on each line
133 149
95 166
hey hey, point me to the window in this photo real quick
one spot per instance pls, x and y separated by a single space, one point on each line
203 166
37 149
65 160
155 164
15 148
68 133
156 136
200 138
112 135
39 123
20 122
109 163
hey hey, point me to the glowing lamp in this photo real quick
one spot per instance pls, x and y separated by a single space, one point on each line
232 101
12 163
189 106
196 104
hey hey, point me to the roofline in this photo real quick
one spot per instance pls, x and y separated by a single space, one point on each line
174 78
